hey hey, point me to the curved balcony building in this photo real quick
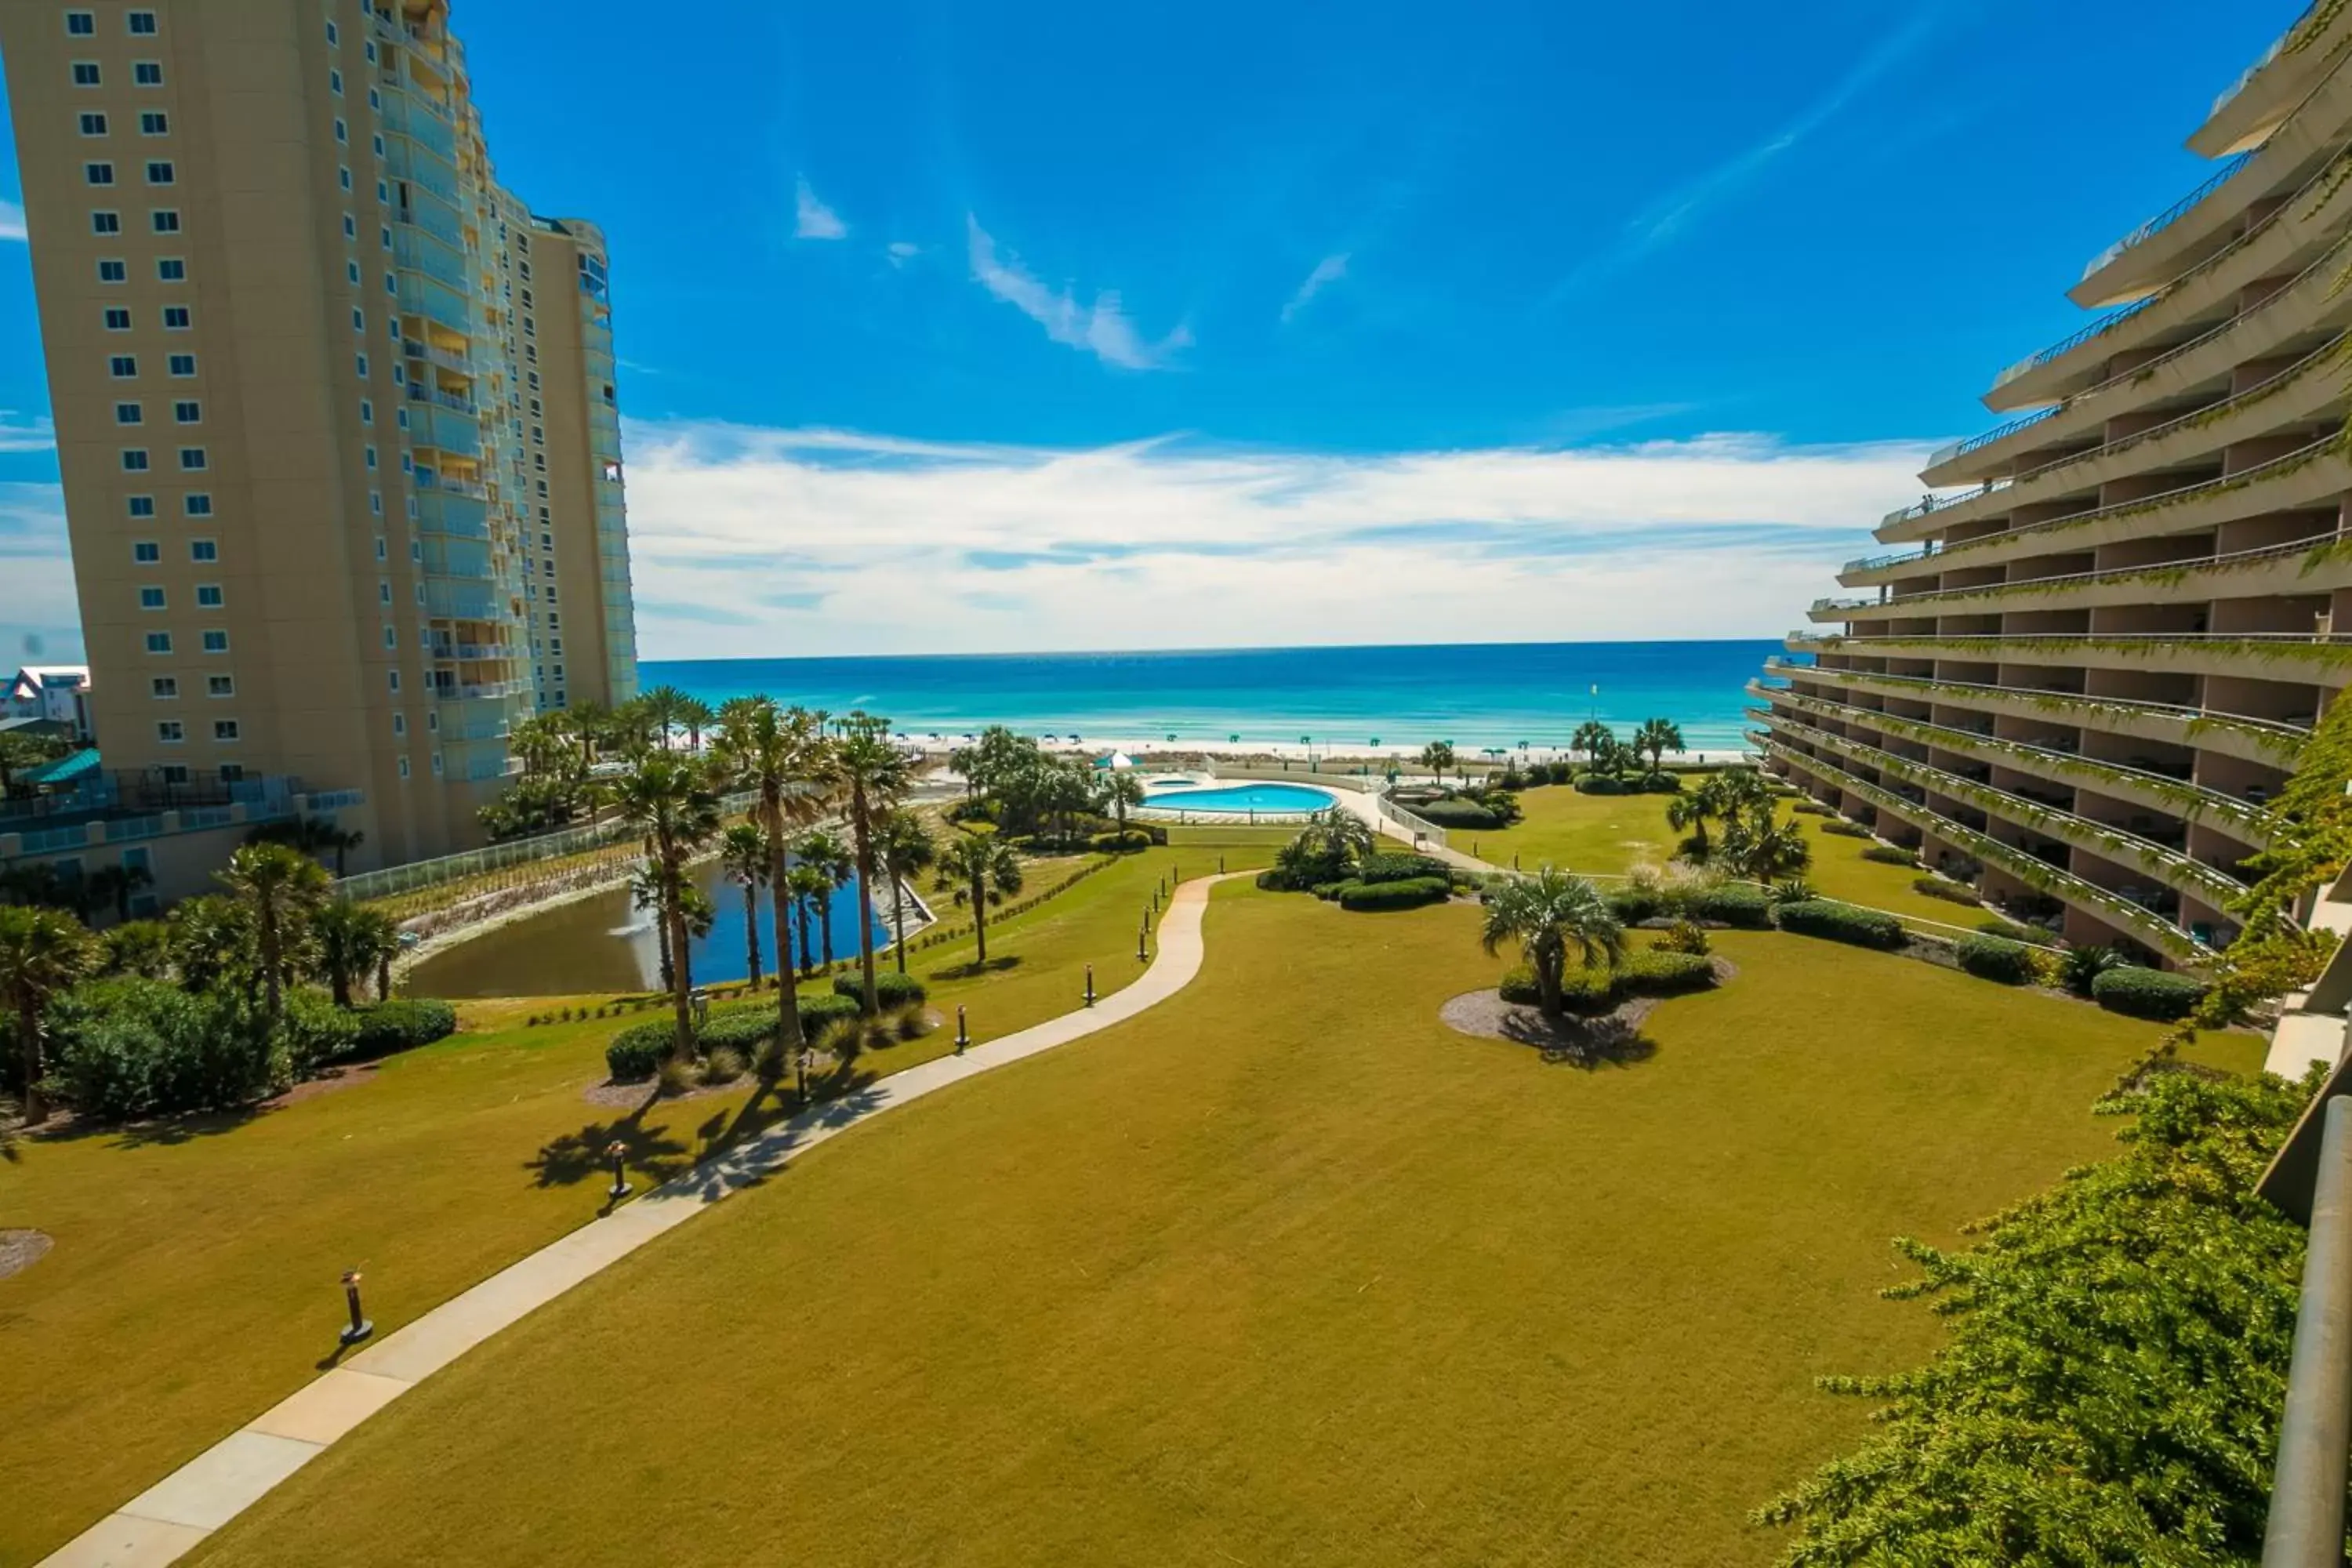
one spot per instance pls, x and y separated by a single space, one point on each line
2094 649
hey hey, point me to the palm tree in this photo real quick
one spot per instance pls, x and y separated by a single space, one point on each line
279 886
904 847
1592 737
212 940
1437 756
825 854
143 948
811 891
671 799
1548 915
354 941
1657 737
110 887
645 893
872 774
696 716
42 952
984 868
1761 852
743 851
1689 811
1123 789
664 710
778 754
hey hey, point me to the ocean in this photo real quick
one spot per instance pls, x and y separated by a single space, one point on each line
1475 695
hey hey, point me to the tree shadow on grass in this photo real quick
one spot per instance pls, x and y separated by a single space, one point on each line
1588 1043
575 1157
973 971
164 1131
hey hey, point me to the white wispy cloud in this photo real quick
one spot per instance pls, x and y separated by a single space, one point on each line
901 251
1666 219
1329 270
25 432
38 618
764 541
12 220
812 219
1101 329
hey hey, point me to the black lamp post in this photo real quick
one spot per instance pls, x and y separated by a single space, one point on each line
616 1151
1090 984
963 1035
1143 935
360 1327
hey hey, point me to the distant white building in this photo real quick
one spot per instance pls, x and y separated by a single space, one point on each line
57 692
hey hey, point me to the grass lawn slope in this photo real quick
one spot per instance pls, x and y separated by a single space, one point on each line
1282 1271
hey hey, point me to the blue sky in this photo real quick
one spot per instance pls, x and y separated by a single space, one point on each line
947 327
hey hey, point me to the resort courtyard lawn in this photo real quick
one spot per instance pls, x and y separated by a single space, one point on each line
193 1283
1282 1271
1612 834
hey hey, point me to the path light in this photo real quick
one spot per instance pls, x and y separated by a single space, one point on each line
963 1035
360 1327
1090 984
616 1151
1221 865
1142 956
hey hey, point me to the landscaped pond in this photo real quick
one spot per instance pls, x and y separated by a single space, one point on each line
601 943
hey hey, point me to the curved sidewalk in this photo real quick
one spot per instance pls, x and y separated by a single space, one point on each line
170 1518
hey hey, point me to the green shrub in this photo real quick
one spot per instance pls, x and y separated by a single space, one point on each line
1845 829
1660 972
891 989
1812 809
1397 867
1589 991
1126 843
404 1022
2154 994
1684 935
1997 926
2082 966
1601 783
1949 891
742 1030
1410 893
1632 903
1456 814
636 1051
1732 904
1840 923
124 1048
1889 855
1996 958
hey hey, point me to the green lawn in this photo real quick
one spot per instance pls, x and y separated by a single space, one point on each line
1615 833
193 1280
1280 1272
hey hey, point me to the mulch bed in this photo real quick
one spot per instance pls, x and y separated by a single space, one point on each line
1611 1038
20 1249
629 1096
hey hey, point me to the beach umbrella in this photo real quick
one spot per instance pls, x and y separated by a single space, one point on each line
1236 740
1375 740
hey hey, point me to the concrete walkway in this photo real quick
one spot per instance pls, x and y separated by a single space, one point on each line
173 1515
1357 804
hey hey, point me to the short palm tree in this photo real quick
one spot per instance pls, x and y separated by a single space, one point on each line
1124 790
671 800
827 855
695 716
1657 737
111 886
1754 848
143 948
279 886
811 888
663 710
42 952
778 754
351 943
1592 738
871 776
1437 756
1549 915
743 852
1687 811
904 847
982 868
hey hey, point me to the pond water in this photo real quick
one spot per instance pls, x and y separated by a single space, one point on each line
600 943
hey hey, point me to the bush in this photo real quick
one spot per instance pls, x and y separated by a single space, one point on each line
891 989
1397 867
2153 994
1890 855
402 1022
1456 814
1601 783
1950 892
636 1051
1845 829
128 1049
1812 809
1126 843
1684 936
1840 923
742 1030
722 1065
311 1030
1733 904
1664 972
1996 926
1589 992
1410 893
678 1076
1995 958
1633 902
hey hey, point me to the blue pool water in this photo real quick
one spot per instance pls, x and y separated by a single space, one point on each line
1266 797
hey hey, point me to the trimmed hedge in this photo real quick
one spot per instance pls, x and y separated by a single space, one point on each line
1950 892
1813 808
891 989
1397 867
1657 973
404 1022
638 1052
1733 904
1840 923
1410 893
1888 855
1126 843
1996 958
1653 783
2153 994
1455 814
1632 905
1845 829
1649 972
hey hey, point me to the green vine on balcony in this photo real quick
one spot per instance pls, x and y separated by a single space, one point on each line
2282 650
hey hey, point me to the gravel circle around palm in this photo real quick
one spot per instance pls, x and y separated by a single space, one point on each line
20 1249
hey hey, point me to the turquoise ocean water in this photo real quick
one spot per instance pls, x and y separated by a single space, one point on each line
1475 695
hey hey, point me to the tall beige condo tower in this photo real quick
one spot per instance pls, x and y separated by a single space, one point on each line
2083 673
335 412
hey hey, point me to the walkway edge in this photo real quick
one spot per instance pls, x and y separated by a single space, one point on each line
173 1516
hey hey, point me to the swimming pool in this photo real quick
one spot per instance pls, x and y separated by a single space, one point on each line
1256 799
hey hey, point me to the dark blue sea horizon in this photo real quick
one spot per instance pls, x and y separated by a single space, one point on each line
1473 694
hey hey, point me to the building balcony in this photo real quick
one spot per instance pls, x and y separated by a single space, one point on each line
429 479
2320 564
2202 311
2191 802
2134 920
2260 100
453 431
464 599
2313 478
2293 657
2265 740
451 515
420 120
435 301
452 359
